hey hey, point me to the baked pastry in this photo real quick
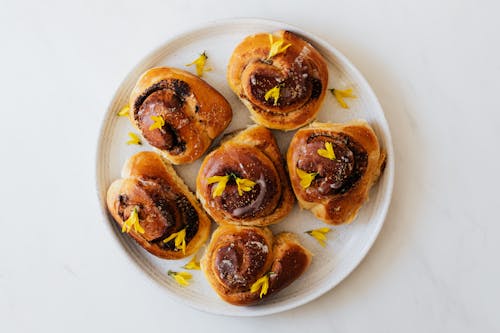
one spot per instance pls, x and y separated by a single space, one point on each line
247 264
244 181
178 113
332 168
281 79
156 208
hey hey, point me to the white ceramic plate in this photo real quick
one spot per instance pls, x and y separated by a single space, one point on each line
347 245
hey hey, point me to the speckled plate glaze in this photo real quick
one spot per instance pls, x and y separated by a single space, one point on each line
347 245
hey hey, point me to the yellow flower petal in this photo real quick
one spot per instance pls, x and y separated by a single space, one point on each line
216 179
180 240
265 287
134 139
276 47
221 184
244 185
124 111
138 228
262 284
319 235
185 275
181 278
133 221
192 264
273 93
306 178
341 94
327 152
169 238
200 63
159 122
256 285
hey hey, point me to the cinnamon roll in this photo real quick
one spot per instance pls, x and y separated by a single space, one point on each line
281 79
332 168
244 180
178 113
247 264
154 206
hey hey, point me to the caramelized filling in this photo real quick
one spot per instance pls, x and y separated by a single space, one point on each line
166 99
240 261
333 176
190 218
244 163
297 84
285 270
161 211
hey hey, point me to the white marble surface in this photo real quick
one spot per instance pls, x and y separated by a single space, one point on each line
435 68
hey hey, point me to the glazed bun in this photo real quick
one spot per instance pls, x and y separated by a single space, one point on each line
332 168
244 182
247 264
280 77
152 204
178 113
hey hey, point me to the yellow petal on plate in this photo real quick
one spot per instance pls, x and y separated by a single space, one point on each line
200 63
192 264
319 235
341 94
182 278
134 139
124 111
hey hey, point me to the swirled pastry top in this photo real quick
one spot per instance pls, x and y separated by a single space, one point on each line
251 157
332 168
237 257
162 204
190 111
292 71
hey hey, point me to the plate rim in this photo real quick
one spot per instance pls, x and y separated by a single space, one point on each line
388 172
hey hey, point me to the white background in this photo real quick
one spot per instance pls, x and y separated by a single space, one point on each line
435 66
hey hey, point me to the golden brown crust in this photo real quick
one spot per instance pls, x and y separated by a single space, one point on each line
238 256
194 113
165 205
300 70
341 186
250 154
